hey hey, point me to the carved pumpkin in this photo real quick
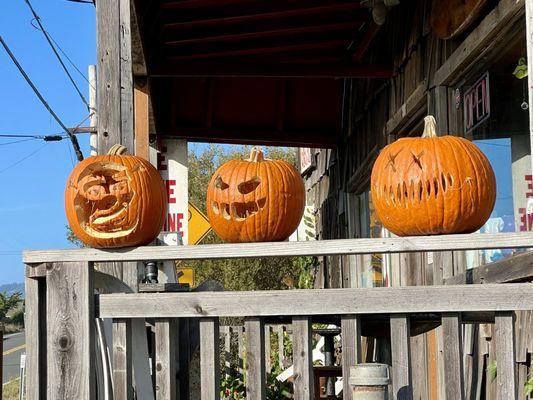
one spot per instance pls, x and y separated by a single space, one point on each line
255 200
432 185
115 200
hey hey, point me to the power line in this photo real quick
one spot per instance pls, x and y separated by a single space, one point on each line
16 141
73 138
47 36
23 158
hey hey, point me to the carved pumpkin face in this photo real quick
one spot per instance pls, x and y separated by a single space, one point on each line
255 200
115 200
432 185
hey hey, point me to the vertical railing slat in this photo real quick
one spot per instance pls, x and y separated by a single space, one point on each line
209 358
505 355
35 324
165 359
268 362
401 357
227 349
122 356
351 349
70 331
453 356
255 359
302 358
281 346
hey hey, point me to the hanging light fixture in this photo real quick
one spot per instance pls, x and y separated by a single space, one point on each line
380 8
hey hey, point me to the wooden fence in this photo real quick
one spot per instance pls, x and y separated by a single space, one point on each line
61 307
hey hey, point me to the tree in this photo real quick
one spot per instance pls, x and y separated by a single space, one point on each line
8 302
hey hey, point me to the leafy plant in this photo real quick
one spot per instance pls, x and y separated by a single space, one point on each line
528 387
492 369
8 302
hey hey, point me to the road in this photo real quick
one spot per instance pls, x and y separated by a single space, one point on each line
14 346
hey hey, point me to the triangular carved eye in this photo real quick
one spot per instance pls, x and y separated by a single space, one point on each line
249 186
220 184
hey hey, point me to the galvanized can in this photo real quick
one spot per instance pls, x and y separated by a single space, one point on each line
370 381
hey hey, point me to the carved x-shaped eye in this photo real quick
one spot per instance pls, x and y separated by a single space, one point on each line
220 184
249 186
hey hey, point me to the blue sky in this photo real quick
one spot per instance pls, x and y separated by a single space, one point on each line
31 202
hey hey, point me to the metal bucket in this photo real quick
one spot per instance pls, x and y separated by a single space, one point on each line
370 381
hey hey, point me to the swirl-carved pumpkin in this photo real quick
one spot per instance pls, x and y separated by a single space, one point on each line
255 200
432 185
115 200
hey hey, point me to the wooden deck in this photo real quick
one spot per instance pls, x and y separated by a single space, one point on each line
61 308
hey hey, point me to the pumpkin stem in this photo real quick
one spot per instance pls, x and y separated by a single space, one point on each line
430 127
117 150
256 155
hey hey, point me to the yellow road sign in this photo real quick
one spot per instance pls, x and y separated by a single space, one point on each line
199 225
187 276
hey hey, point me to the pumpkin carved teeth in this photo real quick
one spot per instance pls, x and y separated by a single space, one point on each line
239 211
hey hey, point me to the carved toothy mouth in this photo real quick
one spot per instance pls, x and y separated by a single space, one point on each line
237 210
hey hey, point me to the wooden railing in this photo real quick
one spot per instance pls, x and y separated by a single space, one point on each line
61 308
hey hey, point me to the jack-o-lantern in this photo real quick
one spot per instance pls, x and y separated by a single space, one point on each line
115 200
255 200
432 185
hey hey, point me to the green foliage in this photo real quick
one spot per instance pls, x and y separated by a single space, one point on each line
10 391
528 387
8 302
72 238
492 369
17 317
233 386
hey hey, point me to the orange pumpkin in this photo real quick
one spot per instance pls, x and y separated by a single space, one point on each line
255 200
432 185
115 200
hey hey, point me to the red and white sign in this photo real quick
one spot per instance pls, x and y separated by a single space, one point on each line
172 165
477 103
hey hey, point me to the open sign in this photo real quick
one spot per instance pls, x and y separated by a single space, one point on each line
477 103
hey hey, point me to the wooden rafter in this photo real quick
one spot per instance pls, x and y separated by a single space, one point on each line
177 69
250 18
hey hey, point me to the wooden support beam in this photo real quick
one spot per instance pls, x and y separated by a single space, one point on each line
165 359
366 41
413 106
351 349
276 49
490 29
35 326
210 358
142 118
505 355
513 269
453 356
302 357
70 331
406 244
122 360
251 18
324 139
402 386
273 33
529 47
255 358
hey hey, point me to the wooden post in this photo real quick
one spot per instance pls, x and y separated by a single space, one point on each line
142 118
35 326
529 44
268 361
210 358
351 349
122 356
453 356
505 355
302 356
70 331
255 358
402 386
165 359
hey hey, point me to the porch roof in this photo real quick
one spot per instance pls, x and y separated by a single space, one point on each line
252 71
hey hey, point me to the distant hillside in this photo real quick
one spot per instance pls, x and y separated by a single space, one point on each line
11 288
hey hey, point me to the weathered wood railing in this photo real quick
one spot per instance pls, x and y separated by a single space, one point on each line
61 307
